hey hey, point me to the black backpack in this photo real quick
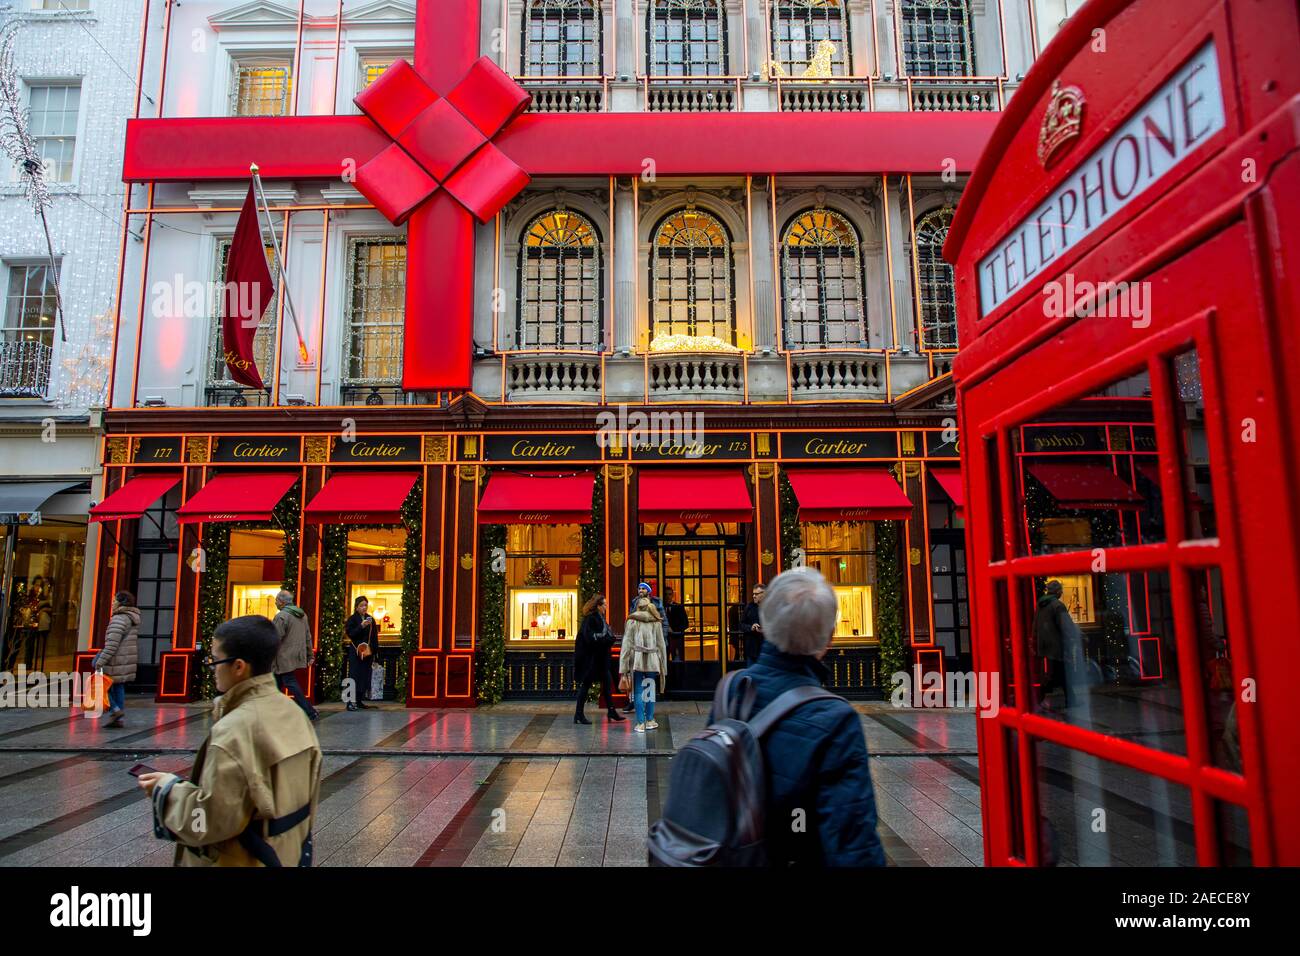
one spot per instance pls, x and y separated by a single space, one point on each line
717 794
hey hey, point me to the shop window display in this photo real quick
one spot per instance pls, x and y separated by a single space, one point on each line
376 559
256 571
542 567
845 553
45 593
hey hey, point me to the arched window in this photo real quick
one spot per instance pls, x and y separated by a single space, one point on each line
803 29
561 38
560 284
937 38
938 300
821 283
686 38
690 277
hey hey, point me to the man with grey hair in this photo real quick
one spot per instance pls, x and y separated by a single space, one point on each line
821 808
295 650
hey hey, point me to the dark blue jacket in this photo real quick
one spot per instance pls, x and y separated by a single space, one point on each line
815 760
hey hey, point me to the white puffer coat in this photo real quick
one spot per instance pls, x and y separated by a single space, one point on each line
643 642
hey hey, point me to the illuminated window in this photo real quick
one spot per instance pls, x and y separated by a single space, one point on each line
254 571
376 563
261 87
799 30
372 68
690 277
686 38
561 38
263 338
937 38
376 310
53 124
821 282
542 567
845 553
27 337
936 290
560 284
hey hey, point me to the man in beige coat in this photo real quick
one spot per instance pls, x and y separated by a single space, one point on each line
295 650
252 793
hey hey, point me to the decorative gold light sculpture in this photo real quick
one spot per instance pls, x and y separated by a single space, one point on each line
690 343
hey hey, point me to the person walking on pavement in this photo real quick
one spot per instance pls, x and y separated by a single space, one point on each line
117 658
591 658
643 661
815 758
361 641
295 650
1058 639
751 627
251 795
678 625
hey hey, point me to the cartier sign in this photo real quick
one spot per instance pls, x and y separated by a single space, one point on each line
834 445
386 448
259 449
541 448
705 448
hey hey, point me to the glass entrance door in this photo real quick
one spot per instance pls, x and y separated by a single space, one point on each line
702 568
951 612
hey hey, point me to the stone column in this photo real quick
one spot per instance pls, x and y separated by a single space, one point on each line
765 282
625 250
625 51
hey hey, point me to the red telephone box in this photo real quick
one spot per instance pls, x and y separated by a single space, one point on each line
1128 276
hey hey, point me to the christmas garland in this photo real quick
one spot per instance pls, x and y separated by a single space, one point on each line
491 662
591 577
889 603
791 531
333 595
412 579
216 566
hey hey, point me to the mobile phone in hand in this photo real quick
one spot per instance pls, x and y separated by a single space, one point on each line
141 768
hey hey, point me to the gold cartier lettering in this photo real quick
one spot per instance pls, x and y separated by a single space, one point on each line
245 450
366 450
525 448
1075 440
820 446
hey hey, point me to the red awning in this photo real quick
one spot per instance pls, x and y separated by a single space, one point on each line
950 481
1151 471
135 497
848 494
238 497
1085 486
537 498
692 495
361 497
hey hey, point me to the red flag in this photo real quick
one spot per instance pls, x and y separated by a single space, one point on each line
248 292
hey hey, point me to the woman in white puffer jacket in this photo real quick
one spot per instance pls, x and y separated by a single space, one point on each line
643 660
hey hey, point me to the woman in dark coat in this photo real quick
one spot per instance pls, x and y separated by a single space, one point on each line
591 658
360 629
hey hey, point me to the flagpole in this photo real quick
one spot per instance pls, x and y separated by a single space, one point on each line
284 272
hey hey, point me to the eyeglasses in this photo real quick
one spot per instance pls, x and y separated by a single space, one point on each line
209 662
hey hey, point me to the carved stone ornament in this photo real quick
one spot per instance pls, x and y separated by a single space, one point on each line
118 451
436 447
319 448
196 450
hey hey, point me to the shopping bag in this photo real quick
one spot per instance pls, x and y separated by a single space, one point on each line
94 694
377 682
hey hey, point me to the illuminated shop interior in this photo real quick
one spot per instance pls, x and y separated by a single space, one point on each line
845 553
255 572
376 560
542 567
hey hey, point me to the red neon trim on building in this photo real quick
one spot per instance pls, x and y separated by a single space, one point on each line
1084 485
848 494
135 497
361 497
693 495
537 498
231 497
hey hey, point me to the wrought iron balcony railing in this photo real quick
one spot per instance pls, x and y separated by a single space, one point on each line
25 369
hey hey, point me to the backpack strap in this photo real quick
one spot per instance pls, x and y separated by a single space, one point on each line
791 700
255 843
743 702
